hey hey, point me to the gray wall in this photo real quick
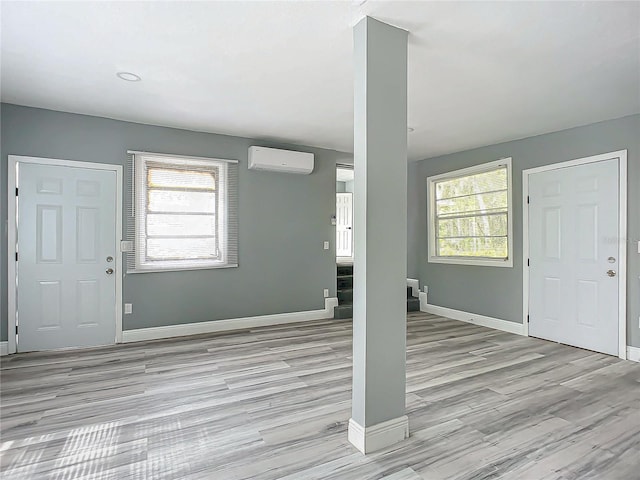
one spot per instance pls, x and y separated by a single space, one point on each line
344 187
283 219
497 292
349 186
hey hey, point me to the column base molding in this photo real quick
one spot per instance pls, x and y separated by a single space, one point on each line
376 437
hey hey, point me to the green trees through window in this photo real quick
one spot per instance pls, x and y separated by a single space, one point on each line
471 215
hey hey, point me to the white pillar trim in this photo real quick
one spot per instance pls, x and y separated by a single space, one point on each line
376 437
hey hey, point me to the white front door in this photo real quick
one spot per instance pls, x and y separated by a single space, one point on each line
344 224
66 269
573 255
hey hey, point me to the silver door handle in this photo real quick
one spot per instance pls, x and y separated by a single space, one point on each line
611 273
109 271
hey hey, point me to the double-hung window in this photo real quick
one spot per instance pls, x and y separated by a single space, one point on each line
470 216
185 213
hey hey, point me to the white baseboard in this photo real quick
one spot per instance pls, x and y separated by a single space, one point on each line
633 354
154 333
415 286
482 320
424 303
4 348
376 437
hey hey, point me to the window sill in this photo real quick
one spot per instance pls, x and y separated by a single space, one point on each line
472 262
179 269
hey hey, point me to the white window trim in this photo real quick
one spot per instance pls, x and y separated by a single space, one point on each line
140 187
487 262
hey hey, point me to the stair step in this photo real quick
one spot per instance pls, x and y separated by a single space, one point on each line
343 311
344 270
345 281
345 295
413 304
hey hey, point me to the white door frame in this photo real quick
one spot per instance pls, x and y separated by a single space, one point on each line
339 258
12 238
621 155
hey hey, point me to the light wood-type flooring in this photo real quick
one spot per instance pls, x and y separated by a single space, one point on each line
274 402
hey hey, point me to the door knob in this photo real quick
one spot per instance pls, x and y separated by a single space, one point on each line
109 259
110 271
611 273
611 260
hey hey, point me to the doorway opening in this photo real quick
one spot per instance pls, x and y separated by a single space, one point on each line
344 215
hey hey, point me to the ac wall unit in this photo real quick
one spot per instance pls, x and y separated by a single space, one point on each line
276 160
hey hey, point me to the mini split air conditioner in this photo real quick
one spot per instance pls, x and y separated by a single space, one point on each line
275 160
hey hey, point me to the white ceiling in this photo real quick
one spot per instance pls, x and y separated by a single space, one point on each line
479 72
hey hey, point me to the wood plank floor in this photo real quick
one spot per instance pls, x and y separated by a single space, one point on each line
274 402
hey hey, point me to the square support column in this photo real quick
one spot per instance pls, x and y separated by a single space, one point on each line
380 236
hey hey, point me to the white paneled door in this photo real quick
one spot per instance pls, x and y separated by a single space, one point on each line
66 269
573 255
344 224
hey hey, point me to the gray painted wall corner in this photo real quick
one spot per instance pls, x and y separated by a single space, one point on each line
497 292
284 219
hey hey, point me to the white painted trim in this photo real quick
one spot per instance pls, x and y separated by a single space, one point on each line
11 255
222 213
622 256
12 229
633 354
4 348
482 320
415 286
376 437
487 262
169 331
424 303
621 155
525 252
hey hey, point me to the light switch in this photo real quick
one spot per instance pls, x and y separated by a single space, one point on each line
128 308
326 245
326 293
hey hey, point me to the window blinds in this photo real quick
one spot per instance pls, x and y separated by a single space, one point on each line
471 215
183 213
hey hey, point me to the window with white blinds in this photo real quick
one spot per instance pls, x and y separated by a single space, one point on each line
470 219
185 212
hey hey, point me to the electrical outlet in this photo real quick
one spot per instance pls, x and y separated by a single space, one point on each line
426 289
326 293
128 308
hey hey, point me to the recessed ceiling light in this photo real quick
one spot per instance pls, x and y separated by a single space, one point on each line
410 129
128 76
